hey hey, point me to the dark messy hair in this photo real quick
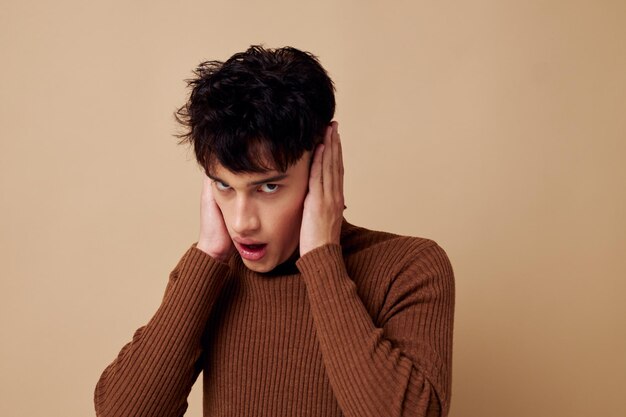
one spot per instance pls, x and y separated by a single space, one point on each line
259 110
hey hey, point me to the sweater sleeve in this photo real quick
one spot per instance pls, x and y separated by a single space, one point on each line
403 368
153 374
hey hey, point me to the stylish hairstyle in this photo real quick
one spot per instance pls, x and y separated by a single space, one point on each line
259 110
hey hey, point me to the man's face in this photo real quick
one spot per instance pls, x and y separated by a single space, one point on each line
263 211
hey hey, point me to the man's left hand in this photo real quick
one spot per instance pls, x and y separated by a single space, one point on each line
324 203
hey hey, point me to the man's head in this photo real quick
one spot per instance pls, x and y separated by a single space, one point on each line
259 107
254 121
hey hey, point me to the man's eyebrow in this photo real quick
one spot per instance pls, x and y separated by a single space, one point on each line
270 179
259 182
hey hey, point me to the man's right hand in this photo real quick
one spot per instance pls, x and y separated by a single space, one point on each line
214 238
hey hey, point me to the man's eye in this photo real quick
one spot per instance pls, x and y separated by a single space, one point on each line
269 188
221 186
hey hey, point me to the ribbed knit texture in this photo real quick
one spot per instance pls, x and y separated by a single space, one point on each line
358 330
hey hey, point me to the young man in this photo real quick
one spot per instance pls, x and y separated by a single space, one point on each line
287 309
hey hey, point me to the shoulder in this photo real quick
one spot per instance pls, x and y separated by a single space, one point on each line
400 257
393 271
357 240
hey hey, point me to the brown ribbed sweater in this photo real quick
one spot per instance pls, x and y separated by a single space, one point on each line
358 330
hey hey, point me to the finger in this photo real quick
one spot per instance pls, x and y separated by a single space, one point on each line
327 161
336 163
340 166
315 175
207 188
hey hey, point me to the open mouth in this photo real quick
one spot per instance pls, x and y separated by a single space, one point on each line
253 247
252 252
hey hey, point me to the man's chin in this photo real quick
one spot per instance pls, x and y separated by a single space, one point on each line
256 266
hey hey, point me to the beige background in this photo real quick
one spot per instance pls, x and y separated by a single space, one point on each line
496 128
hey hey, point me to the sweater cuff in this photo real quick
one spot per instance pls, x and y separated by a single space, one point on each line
197 274
197 260
324 273
324 262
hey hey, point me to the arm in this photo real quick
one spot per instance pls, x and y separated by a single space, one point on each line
402 368
154 373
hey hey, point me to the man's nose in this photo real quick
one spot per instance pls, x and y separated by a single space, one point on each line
246 220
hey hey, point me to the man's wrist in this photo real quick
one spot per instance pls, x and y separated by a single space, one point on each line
206 248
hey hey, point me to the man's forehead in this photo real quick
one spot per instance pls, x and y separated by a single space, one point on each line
267 167
220 171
